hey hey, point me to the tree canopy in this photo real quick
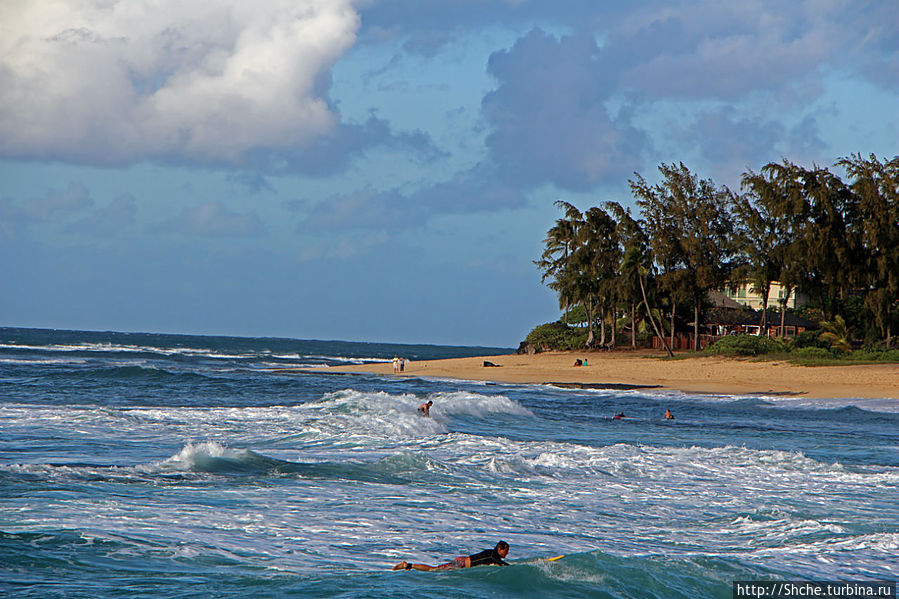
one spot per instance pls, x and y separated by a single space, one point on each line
806 228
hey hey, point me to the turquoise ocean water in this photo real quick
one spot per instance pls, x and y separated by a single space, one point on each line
184 466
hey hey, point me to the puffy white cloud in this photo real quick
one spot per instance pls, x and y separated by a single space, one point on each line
113 82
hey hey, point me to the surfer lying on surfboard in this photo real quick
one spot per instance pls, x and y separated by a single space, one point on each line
487 557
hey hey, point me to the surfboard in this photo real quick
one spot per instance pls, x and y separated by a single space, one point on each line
535 560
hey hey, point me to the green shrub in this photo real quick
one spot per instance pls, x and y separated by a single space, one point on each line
814 353
875 355
746 345
557 336
808 339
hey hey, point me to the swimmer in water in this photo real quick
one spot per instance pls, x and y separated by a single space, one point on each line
488 557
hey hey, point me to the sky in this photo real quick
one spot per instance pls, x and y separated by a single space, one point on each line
385 170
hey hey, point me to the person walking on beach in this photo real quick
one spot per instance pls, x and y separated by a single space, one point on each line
425 408
396 365
488 557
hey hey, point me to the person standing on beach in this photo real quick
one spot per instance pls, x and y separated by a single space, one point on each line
402 364
396 364
488 557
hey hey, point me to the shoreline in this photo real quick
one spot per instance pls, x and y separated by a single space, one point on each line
699 374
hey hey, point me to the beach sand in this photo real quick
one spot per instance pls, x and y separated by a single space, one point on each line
691 374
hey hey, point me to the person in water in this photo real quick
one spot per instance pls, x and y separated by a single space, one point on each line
669 415
488 557
425 408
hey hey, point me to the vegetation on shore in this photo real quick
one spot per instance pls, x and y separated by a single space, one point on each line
806 228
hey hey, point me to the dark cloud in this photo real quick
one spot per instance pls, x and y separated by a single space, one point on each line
548 117
690 49
726 139
471 191
254 182
330 155
425 26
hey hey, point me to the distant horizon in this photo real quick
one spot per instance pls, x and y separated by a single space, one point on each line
273 337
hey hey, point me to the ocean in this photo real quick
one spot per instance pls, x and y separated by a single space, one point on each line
143 465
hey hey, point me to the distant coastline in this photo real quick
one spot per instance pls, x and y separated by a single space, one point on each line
702 374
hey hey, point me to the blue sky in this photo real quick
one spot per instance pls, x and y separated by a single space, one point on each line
385 170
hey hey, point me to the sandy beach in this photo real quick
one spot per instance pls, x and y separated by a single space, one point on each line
692 374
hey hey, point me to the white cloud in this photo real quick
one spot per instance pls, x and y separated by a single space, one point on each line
115 82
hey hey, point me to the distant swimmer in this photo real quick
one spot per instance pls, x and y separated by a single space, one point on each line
488 557
425 408
669 415
619 415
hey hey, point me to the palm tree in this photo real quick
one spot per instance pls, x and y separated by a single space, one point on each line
836 333
640 264
556 261
630 235
690 227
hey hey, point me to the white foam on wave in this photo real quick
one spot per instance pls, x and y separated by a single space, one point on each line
42 361
476 404
349 359
869 404
379 414
193 454
353 412
839 555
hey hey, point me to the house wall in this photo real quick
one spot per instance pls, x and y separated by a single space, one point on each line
745 296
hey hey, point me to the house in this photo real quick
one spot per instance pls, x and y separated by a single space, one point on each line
745 296
719 322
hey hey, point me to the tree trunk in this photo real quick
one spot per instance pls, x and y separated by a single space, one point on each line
697 307
602 326
614 328
673 308
634 326
763 325
589 314
783 308
653 321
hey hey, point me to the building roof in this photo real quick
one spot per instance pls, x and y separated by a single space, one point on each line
718 300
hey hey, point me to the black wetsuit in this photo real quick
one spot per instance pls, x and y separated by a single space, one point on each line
487 557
